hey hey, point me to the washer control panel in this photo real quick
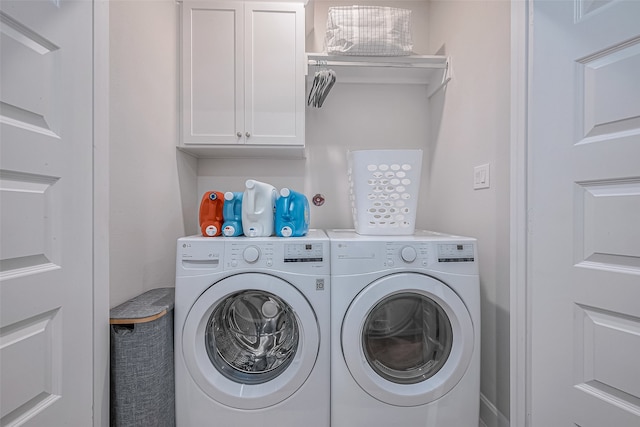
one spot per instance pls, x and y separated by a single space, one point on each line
246 254
277 254
303 252
302 255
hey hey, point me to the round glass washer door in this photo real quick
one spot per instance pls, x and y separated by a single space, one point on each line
407 339
250 340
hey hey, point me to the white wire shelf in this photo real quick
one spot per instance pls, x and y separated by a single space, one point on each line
411 61
432 70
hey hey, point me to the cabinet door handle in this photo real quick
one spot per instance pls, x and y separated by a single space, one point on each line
247 134
239 134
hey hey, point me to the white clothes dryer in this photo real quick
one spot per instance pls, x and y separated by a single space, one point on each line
405 325
252 331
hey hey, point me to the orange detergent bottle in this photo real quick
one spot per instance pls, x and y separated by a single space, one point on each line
211 218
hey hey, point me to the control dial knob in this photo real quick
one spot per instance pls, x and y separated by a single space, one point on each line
408 254
251 254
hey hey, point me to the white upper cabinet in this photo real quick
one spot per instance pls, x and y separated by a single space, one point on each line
242 80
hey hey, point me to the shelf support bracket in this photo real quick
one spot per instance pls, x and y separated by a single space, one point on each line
446 77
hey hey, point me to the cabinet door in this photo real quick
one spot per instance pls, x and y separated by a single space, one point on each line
274 73
212 76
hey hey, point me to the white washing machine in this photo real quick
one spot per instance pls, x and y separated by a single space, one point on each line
252 331
405 325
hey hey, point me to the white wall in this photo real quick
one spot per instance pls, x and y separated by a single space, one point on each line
474 130
145 198
354 116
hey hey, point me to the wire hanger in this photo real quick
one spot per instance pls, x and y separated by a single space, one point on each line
323 81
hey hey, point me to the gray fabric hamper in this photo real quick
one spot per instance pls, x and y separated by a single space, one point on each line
142 370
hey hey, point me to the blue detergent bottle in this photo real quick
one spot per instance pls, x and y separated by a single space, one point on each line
292 214
232 213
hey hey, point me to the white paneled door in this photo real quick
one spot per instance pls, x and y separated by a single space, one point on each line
46 282
584 213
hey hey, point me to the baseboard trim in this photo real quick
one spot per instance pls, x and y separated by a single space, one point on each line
489 414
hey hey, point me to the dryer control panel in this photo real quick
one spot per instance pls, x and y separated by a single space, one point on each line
403 254
456 252
352 256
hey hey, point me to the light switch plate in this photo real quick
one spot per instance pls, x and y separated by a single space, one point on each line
481 177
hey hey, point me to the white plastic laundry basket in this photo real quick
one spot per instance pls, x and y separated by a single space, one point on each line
383 189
